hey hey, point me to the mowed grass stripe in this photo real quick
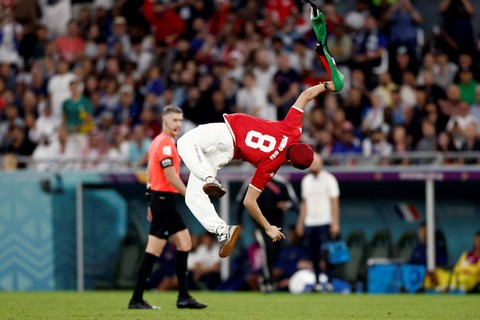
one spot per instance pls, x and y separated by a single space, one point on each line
237 305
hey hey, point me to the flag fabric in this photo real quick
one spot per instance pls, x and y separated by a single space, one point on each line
407 212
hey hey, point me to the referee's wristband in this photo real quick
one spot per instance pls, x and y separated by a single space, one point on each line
148 194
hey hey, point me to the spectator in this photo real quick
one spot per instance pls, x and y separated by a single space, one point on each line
264 70
428 142
94 155
28 14
10 36
399 108
59 87
419 253
415 115
355 106
457 25
150 119
118 152
459 122
467 86
302 57
401 145
444 70
154 83
107 126
402 63
337 119
218 107
78 116
204 264
348 143
56 15
119 37
369 46
138 150
374 116
475 108
110 98
433 91
230 90
428 64
385 88
191 107
165 22
277 12
445 145
340 44
376 144
466 274
286 86
12 117
71 46
250 99
355 19
317 121
471 143
404 20
46 126
19 144
332 18
127 111
291 258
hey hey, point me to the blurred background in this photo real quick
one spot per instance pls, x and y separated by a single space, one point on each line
402 137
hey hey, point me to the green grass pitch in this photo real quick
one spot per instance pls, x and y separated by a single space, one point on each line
238 305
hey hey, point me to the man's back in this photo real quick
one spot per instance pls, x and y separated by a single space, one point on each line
264 143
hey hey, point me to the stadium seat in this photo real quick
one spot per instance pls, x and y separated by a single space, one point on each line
381 245
354 269
129 256
405 245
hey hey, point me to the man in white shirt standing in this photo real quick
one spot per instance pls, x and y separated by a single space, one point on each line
59 87
319 218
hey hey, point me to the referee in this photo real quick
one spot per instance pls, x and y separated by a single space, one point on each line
163 186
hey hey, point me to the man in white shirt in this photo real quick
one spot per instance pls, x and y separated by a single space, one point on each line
319 218
46 126
251 99
59 87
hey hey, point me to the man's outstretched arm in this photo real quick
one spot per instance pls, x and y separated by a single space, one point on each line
312 92
251 204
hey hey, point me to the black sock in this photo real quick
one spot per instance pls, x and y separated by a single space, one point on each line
143 273
181 271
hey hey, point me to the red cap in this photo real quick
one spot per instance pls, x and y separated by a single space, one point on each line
301 155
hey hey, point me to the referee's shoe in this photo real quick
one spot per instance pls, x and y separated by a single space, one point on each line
141 305
190 303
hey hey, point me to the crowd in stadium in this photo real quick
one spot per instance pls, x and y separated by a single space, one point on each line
90 83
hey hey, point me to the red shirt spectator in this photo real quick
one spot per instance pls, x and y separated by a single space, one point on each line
166 23
71 46
279 10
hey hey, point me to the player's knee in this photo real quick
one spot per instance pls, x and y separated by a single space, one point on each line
185 245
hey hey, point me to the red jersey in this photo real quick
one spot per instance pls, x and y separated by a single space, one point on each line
162 154
264 143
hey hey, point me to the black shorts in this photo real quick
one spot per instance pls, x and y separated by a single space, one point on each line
166 220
